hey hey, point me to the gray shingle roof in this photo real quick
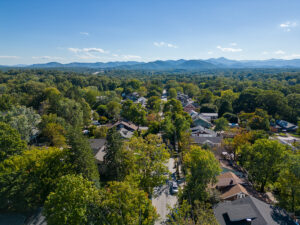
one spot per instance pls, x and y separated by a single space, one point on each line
96 144
236 212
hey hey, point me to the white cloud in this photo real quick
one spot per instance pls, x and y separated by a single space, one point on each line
229 49
131 57
47 57
292 56
288 25
233 44
210 52
9 57
279 52
265 53
85 33
164 44
87 50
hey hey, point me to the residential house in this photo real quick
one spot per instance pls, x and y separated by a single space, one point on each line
211 141
122 124
142 101
98 147
189 107
209 116
286 126
199 120
227 179
126 129
234 192
230 186
202 132
132 96
250 211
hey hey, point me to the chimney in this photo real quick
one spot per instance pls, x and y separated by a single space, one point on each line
248 221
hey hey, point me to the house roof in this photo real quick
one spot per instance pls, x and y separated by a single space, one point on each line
126 133
130 125
237 211
200 129
96 144
209 114
233 191
286 125
228 179
203 140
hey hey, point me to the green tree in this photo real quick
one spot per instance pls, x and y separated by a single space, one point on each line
10 142
27 179
81 155
200 214
154 104
115 157
202 168
123 203
294 103
70 202
113 109
263 160
55 134
221 124
172 93
225 107
288 184
24 120
150 158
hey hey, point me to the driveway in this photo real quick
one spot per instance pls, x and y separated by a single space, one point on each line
163 197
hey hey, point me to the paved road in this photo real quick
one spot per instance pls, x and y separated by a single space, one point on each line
164 198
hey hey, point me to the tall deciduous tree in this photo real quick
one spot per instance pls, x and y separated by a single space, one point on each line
10 142
81 155
123 203
263 160
150 158
24 120
27 179
288 184
70 202
202 168
115 159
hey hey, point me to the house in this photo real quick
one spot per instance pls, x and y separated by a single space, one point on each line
199 120
209 116
98 146
132 96
286 126
122 124
127 134
193 113
211 141
189 107
250 210
202 132
234 192
230 186
227 179
142 101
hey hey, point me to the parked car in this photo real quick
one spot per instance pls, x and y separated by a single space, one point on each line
173 188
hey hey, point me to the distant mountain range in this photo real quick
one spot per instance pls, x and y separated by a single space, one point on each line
188 65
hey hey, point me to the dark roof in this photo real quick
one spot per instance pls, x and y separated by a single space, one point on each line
236 212
286 125
96 144
203 140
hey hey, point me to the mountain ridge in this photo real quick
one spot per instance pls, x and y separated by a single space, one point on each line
181 64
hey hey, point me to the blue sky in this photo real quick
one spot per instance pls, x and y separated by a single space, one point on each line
38 31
